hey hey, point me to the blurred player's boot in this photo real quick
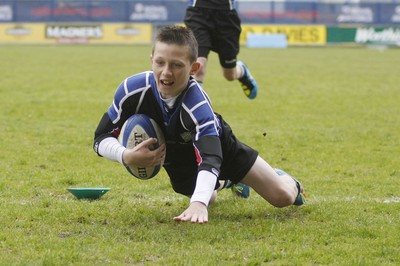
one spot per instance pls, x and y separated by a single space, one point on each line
300 199
241 190
248 83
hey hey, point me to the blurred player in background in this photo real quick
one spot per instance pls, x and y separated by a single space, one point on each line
217 27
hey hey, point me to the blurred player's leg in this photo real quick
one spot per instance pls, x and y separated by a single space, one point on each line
249 84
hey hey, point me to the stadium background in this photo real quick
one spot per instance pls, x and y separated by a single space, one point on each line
127 21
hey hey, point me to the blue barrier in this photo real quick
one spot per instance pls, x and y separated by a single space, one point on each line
173 11
261 40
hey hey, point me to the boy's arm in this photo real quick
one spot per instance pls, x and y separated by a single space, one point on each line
197 211
105 140
209 158
107 145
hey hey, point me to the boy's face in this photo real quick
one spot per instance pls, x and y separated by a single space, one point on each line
172 68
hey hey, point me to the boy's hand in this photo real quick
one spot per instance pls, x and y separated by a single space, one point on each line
196 213
144 155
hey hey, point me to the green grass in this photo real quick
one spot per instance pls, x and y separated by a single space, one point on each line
330 116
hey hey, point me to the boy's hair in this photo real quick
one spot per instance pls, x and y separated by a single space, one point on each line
178 35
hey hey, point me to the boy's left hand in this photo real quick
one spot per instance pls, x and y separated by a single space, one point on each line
196 213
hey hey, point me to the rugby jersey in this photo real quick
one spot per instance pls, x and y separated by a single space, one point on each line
213 4
190 127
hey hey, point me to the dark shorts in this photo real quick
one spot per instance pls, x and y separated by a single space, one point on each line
216 30
238 158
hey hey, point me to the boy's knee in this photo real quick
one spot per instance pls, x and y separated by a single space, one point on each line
283 198
201 72
229 76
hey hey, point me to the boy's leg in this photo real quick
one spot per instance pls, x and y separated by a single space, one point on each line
280 191
200 74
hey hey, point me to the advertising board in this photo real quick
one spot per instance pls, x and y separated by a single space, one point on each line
296 34
364 35
124 33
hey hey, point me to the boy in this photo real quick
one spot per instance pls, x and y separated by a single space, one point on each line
201 152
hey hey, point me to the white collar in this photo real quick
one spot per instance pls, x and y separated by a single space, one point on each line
170 102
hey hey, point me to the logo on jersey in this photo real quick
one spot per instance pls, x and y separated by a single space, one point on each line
186 136
215 171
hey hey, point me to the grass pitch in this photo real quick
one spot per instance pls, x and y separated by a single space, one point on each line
329 116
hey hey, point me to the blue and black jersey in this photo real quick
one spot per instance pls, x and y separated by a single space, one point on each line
196 137
191 128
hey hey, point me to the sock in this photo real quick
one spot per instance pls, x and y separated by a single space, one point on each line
243 70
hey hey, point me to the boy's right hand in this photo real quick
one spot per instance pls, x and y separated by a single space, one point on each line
197 212
143 155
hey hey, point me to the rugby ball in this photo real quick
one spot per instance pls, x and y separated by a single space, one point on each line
136 129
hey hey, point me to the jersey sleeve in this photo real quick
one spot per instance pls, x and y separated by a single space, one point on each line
105 129
128 98
198 117
209 154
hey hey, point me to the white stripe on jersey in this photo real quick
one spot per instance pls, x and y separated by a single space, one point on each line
118 109
191 115
126 86
198 105
198 126
195 86
206 124
141 98
193 82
